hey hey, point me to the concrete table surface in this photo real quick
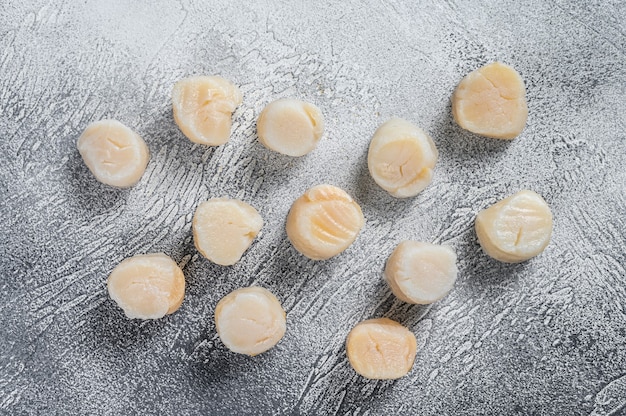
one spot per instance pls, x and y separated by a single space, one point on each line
545 337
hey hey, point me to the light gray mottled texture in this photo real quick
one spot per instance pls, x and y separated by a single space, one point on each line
544 337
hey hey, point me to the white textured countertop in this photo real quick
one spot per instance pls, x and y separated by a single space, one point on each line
546 337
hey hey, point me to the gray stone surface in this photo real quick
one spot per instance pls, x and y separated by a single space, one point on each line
544 337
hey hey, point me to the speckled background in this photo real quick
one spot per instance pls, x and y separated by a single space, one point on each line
546 337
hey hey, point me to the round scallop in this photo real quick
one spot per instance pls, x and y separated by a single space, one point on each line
515 229
291 127
147 286
324 222
401 158
114 154
224 228
491 102
203 107
421 273
250 320
381 349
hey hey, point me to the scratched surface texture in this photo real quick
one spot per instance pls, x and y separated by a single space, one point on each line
547 337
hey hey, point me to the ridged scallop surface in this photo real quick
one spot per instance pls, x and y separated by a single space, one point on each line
324 222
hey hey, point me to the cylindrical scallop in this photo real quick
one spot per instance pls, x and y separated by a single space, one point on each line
421 273
203 107
147 286
115 154
381 349
401 158
250 320
291 127
491 102
224 228
515 229
324 222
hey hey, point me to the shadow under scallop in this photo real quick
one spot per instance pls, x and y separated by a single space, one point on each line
287 273
274 163
85 193
108 328
374 200
337 387
355 389
457 144
479 261
160 131
212 363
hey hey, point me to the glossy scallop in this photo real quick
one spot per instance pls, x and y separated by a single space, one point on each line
381 349
250 320
147 286
515 229
114 154
224 228
291 127
421 273
401 158
491 102
203 107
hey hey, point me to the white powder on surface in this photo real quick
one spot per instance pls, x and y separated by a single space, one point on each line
543 337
